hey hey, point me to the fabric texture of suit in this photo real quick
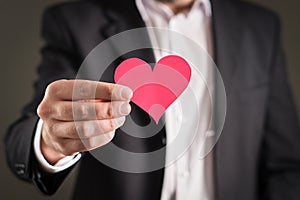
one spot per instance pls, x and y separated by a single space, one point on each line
258 153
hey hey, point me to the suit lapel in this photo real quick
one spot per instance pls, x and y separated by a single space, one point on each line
226 46
124 18
226 36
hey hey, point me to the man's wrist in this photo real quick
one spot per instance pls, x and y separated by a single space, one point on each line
61 164
51 156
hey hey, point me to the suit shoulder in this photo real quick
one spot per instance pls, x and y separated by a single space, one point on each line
77 5
76 10
252 12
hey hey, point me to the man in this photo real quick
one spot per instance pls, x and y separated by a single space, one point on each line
257 156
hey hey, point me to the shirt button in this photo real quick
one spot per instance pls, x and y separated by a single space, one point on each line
178 118
210 133
184 174
163 140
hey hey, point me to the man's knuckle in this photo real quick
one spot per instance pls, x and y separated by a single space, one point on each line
58 112
56 88
86 129
84 110
52 130
46 111
109 111
98 111
51 88
42 110
70 130
109 90
85 90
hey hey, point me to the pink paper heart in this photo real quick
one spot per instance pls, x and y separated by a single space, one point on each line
154 91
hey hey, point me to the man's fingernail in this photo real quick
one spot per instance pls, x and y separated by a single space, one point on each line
119 121
126 93
125 109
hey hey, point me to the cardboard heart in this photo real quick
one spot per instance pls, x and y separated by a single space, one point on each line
154 90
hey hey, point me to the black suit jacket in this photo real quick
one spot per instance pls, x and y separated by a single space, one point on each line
258 153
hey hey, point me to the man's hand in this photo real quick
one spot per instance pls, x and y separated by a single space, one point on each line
98 110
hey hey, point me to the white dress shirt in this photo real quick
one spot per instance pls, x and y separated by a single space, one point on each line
189 177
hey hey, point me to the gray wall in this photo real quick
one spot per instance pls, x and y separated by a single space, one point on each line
20 42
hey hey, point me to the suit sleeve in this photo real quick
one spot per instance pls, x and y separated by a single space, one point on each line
58 62
281 150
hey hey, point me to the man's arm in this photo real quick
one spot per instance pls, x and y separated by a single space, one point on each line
58 61
53 103
281 149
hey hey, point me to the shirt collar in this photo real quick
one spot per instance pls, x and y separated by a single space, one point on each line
143 5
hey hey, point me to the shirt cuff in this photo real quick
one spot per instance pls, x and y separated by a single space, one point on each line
61 165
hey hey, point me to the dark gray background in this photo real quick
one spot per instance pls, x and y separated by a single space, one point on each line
19 54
